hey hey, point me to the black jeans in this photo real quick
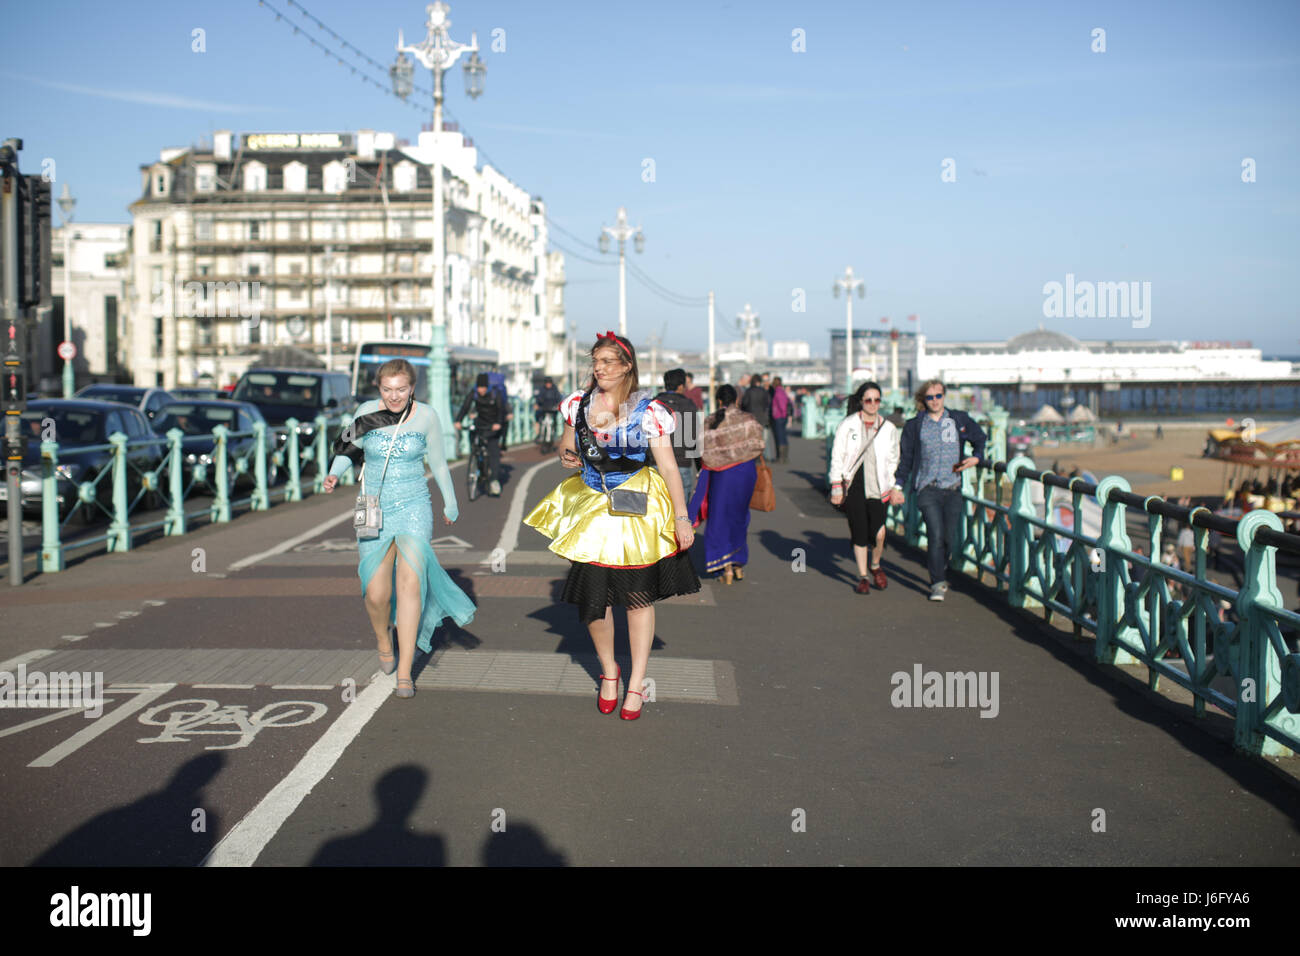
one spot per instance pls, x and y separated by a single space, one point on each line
492 446
941 510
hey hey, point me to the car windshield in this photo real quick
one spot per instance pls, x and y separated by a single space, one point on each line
278 388
194 419
65 426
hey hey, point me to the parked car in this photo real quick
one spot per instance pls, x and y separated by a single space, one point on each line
198 394
148 400
197 420
284 393
76 424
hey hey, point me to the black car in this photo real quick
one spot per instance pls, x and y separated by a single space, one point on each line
197 420
148 400
284 393
198 394
75 424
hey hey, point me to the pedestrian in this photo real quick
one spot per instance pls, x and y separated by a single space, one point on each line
730 445
694 392
781 405
864 457
758 403
403 585
930 457
630 547
686 427
490 421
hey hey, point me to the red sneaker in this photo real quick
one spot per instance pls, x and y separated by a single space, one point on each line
864 586
881 581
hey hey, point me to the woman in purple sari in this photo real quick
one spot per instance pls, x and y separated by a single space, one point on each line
729 445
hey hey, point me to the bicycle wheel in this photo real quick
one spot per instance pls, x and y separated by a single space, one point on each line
472 473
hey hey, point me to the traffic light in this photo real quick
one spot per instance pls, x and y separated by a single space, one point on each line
35 237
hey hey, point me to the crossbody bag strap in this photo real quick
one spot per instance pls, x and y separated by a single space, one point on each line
391 443
866 448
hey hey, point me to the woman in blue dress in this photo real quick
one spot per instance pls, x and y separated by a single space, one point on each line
613 429
401 580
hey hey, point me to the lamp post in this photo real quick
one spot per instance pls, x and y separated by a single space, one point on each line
66 205
438 53
747 322
622 232
328 262
848 283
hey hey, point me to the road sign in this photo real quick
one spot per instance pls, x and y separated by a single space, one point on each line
67 351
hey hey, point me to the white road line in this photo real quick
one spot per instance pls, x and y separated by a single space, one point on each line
302 687
284 546
75 637
510 533
223 686
110 719
13 663
243 844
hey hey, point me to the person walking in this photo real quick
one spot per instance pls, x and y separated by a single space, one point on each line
781 405
931 457
403 585
694 392
686 430
490 421
864 457
626 549
756 401
730 446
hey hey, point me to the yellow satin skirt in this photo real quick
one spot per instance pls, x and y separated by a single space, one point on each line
578 522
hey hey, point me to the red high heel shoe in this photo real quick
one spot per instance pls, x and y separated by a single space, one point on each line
607 706
632 714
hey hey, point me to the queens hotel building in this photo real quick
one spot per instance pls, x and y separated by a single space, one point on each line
239 248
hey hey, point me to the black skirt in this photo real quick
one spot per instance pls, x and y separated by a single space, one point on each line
594 587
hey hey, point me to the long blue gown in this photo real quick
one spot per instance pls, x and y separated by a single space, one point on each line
408 514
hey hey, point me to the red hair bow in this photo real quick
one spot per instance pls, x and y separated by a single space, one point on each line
610 335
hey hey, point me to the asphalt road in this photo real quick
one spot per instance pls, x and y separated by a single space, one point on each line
242 724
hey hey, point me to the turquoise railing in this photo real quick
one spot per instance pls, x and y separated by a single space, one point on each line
165 485
1138 610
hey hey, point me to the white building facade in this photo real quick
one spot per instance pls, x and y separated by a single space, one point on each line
95 304
253 242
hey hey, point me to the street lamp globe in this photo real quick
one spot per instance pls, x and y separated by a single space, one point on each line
66 204
474 71
402 73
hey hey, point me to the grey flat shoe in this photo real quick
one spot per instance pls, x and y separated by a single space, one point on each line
388 662
407 691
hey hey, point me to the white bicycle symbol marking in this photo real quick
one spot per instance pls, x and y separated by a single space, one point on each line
180 720
330 544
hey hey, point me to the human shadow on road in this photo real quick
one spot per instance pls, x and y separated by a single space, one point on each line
156 830
389 841
520 844
575 640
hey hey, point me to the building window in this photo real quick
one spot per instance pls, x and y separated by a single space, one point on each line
110 333
254 270
295 178
254 177
203 228
205 331
205 178
156 236
254 230
334 177
295 268
537 305
158 336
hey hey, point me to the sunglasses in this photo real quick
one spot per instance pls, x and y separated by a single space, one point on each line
871 401
931 398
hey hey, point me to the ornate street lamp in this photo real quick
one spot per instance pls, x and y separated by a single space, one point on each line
622 231
66 205
438 53
848 283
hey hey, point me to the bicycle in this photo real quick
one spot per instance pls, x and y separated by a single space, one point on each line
477 466
546 432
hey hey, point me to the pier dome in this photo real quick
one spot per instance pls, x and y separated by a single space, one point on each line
1041 339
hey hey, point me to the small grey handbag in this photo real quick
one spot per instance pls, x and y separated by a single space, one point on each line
624 501
368 518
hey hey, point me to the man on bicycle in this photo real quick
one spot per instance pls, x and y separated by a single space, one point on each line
546 403
489 419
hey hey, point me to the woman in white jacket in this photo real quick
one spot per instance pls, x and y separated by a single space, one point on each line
863 460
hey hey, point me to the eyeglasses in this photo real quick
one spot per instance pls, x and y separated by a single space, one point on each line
931 398
606 363
871 401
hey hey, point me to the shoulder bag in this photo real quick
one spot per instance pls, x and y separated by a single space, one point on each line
880 423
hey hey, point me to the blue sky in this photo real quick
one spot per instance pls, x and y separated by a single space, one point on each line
774 169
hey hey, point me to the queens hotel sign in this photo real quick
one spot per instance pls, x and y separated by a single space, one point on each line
261 141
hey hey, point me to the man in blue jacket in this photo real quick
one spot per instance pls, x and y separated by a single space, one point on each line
930 455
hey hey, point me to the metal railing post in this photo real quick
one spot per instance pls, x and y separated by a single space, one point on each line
294 490
175 523
319 452
260 499
1019 508
220 511
1113 543
1258 669
119 531
51 547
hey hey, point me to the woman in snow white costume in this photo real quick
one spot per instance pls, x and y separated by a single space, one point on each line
614 432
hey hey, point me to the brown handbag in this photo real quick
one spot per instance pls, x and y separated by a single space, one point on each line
764 497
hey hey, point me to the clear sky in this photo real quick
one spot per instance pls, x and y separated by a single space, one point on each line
773 168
